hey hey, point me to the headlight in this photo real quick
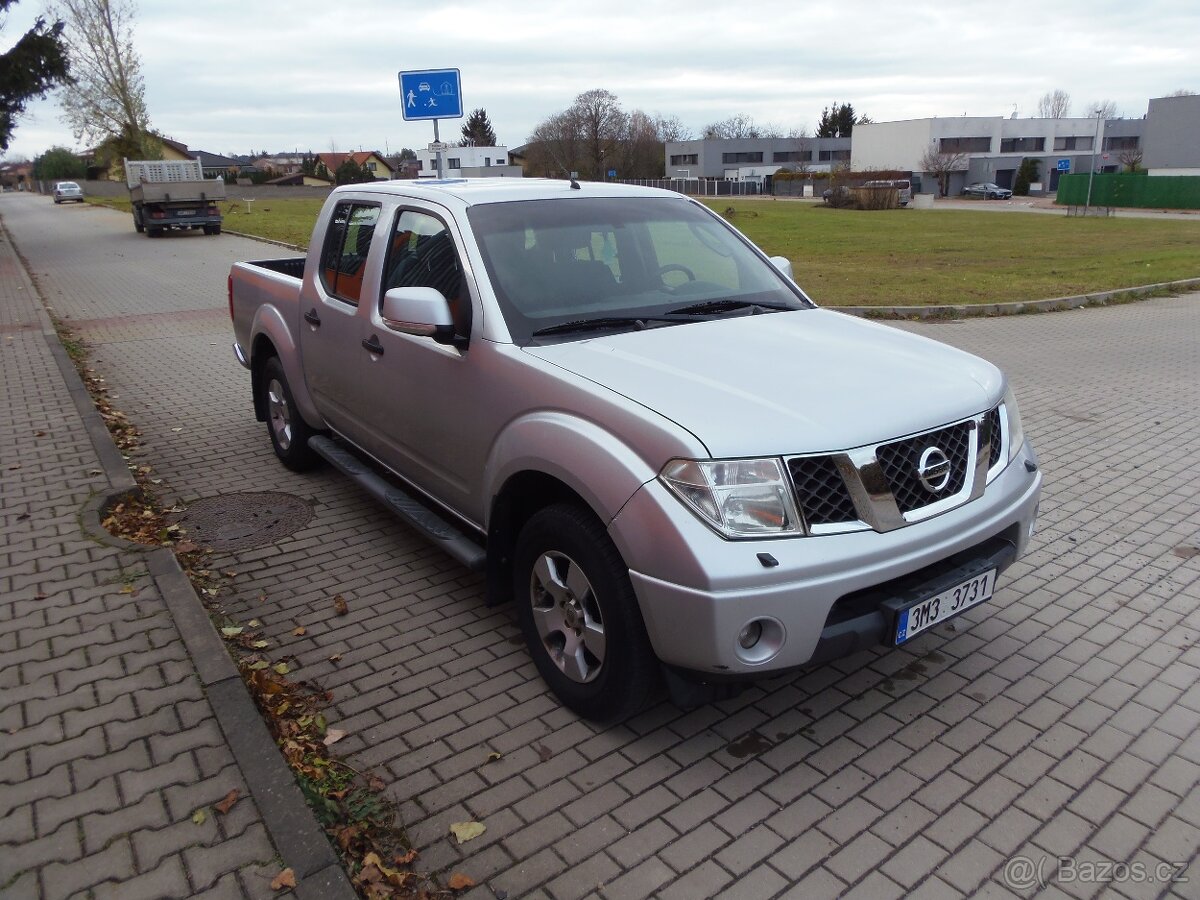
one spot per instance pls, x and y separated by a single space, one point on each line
740 498
1016 434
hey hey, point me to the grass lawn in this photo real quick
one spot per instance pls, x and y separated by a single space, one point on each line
918 257
897 257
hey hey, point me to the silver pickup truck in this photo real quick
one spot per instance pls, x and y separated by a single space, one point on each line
639 427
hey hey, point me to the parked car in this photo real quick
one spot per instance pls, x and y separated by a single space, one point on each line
67 190
988 190
638 427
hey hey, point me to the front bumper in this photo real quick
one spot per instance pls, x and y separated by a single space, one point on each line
698 591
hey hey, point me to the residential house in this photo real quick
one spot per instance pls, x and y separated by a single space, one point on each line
374 162
468 162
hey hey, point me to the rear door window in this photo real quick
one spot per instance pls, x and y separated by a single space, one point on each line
347 243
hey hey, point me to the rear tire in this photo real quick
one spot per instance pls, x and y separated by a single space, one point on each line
287 428
579 615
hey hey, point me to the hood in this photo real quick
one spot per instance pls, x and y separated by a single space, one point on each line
782 383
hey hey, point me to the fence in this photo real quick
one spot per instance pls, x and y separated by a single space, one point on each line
699 187
1136 189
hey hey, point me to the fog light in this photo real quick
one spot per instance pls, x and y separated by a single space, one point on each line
750 635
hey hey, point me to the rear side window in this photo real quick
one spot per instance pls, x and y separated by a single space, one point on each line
344 256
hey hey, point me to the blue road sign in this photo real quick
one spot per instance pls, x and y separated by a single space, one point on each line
431 94
1064 165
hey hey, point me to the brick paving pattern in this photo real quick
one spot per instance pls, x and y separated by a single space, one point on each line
1061 719
107 743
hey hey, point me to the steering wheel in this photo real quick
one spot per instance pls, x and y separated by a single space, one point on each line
676 267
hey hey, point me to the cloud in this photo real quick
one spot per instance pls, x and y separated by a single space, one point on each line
233 77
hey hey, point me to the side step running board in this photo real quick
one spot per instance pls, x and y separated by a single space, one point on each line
450 538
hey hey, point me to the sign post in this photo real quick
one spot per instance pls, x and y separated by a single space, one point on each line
431 94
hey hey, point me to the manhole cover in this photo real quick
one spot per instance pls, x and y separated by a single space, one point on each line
244 521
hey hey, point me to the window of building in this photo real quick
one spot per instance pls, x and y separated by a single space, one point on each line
686 159
965 144
1074 142
1022 145
745 157
1121 142
487 162
783 156
454 162
833 155
370 167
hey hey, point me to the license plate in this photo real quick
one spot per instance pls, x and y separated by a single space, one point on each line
949 603
185 212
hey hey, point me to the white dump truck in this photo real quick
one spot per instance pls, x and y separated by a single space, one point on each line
173 193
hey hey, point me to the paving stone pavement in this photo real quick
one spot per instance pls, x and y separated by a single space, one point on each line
108 745
1060 720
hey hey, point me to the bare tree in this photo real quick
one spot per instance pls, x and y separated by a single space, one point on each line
670 128
940 164
1182 92
1131 159
107 100
1104 109
739 126
1054 105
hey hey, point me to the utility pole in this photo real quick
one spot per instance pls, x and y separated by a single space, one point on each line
1092 173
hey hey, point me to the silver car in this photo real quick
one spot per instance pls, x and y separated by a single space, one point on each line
67 190
987 190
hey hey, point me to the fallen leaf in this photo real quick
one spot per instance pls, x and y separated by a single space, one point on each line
460 882
339 605
231 630
346 835
261 645
40 596
332 736
376 784
254 623
281 668
336 657
494 756
198 817
300 631
285 879
127 589
177 430
406 859
230 574
39 434
227 804
259 664
467 831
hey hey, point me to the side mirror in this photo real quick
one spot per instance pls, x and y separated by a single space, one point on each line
784 265
419 311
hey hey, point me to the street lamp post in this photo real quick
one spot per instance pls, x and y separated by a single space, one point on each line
1092 173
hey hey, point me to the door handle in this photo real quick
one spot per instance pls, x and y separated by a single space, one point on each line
312 318
373 346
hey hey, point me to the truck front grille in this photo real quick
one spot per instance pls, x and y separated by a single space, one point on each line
821 491
881 487
900 461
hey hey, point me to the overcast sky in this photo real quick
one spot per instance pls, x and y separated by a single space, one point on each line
231 76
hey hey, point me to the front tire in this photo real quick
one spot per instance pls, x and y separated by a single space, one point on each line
579 615
287 428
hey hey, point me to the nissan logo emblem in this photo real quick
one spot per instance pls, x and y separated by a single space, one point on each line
934 470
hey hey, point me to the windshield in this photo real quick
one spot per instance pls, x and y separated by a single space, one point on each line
620 262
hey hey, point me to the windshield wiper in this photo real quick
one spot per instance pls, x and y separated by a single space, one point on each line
719 306
638 323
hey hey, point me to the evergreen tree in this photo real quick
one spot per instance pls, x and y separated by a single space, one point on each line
34 65
477 132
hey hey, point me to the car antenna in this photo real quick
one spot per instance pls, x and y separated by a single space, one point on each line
575 184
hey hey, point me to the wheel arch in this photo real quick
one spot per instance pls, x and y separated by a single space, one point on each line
272 337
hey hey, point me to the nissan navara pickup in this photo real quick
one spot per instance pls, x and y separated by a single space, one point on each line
639 427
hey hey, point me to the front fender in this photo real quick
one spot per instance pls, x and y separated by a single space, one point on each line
591 461
270 324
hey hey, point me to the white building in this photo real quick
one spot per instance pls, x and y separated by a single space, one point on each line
995 146
468 162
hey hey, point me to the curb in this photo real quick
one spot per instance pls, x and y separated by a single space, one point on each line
1057 304
290 823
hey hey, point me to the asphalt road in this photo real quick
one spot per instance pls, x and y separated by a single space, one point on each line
1056 725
